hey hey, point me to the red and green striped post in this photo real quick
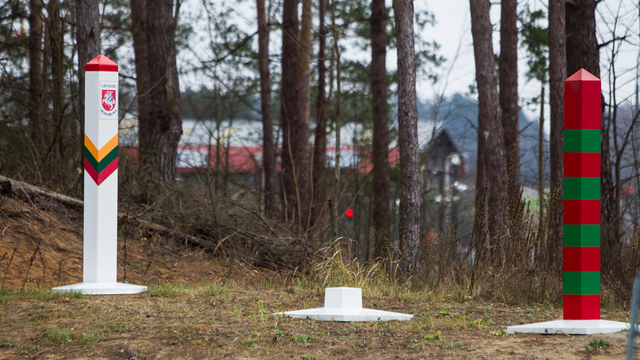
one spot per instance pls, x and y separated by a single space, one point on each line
581 245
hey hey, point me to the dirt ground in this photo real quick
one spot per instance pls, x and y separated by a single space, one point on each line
204 307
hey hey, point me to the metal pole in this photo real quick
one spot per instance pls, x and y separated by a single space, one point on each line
635 302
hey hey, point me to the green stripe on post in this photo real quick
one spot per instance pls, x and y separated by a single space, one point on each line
581 235
582 141
585 188
581 283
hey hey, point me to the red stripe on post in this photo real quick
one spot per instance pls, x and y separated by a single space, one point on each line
581 164
581 212
90 170
582 101
104 174
581 307
576 259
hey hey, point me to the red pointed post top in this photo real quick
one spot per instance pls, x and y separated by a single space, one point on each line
101 63
582 101
582 75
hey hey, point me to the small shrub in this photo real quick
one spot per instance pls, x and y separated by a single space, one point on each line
55 336
90 338
597 343
302 338
436 335
451 345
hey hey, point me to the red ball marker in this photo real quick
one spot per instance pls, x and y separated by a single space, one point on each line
349 213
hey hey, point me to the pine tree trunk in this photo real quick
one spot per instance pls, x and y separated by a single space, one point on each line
509 97
268 152
159 147
320 142
56 43
583 53
88 38
557 75
380 148
407 134
304 109
489 116
36 91
294 130
139 32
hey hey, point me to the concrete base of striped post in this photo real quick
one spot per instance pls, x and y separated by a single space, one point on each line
104 288
344 304
570 327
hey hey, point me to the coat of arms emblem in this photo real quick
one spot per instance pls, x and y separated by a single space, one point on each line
108 99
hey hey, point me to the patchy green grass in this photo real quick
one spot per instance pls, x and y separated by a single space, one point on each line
39 295
55 336
227 319
597 344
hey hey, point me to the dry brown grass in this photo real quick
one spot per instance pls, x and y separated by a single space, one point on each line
200 306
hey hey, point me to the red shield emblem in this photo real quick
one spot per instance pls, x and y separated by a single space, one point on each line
108 100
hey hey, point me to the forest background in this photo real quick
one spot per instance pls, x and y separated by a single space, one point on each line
476 209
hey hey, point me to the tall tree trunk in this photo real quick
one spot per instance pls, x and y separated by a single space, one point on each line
337 65
583 52
320 142
294 130
509 96
489 116
159 148
557 75
407 134
268 151
36 91
541 167
56 43
88 38
141 51
305 108
380 148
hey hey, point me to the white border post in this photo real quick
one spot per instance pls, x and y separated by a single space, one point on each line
100 258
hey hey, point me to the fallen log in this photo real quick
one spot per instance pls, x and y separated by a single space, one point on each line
11 186
35 190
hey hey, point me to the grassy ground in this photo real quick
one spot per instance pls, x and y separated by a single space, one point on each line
200 307
229 319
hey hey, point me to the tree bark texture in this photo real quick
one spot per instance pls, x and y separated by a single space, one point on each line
140 48
294 130
489 116
88 38
557 75
509 96
380 148
320 142
36 90
56 43
268 151
407 134
159 141
304 107
583 53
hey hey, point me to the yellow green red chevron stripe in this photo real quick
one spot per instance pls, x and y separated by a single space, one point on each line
100 164
106 149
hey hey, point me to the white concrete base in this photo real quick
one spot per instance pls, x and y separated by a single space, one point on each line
344 304
570 327
103 288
